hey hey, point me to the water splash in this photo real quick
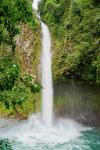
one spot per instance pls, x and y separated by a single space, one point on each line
33 130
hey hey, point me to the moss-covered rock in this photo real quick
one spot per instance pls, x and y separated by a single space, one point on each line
28 48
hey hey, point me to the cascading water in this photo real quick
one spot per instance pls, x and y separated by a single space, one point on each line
35 4
47 92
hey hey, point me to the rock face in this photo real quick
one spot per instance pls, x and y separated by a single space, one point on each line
28 49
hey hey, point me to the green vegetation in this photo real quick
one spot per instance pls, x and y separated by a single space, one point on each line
75 29
18 88
15 88
11 13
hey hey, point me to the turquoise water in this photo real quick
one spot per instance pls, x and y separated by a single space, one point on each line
89 140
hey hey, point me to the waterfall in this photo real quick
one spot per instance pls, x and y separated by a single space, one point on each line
47 91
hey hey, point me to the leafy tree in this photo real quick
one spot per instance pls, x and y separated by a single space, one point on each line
9 73
12 12
15 88
75 27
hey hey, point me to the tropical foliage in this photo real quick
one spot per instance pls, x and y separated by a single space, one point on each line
12 12
15 86
76 26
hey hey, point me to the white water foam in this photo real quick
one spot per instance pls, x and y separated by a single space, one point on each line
33 131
